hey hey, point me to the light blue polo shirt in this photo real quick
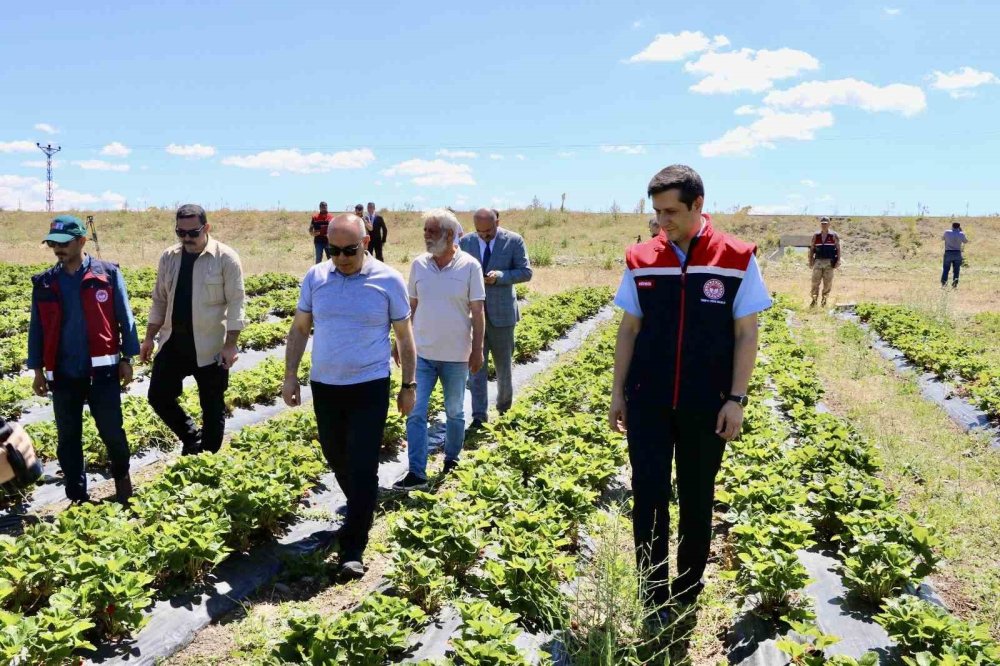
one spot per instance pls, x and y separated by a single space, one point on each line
352 315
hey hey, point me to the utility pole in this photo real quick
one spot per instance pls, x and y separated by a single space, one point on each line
49 152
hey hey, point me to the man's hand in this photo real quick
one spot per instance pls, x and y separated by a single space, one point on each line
476 360
229 355
491 277
146 350
616 416
291 392
404 401
40 386
730 420
124 373
812 263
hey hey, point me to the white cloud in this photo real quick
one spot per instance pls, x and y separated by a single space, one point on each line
193 151
671 48
432 173
565 153
808 183
520 157
293 161
28 193
45 127
636 25
892 11
116 149
763 132
40 164
746 110
626 150
457 154
496 156
826 198
772 209
897 97
274 174
747 69
378 183
100 165
961 82
18 147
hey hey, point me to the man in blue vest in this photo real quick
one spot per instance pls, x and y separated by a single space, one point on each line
81 340
685 352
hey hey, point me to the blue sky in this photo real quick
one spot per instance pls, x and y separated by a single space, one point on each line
822 107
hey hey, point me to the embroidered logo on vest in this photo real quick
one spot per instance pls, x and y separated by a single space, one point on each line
644 284
102 295
714 289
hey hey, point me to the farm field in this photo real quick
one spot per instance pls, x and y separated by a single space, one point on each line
841 458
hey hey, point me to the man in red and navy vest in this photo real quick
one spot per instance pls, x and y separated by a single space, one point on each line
81 339
824 256
685 352
318 229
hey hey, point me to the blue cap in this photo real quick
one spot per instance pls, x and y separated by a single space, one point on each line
65 228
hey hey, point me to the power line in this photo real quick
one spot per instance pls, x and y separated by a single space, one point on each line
49 152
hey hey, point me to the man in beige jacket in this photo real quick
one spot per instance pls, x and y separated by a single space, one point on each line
198 312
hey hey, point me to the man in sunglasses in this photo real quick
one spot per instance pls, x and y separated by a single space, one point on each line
80 341
349 304
198 312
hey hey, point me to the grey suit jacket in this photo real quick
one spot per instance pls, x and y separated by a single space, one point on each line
510 258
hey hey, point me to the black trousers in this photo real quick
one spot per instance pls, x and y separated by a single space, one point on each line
376 250
655 436
176 361
350 420
103 394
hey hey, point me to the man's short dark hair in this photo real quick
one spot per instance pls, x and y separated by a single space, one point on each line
956 225
678 177
192 210
358 206
371 203
322 203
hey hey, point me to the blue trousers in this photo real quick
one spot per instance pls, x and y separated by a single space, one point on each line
452 375
953 261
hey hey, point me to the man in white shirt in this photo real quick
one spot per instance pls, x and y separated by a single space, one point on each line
447 292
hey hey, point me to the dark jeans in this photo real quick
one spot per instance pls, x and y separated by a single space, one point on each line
176 361
952 260
103 394
350 420
655 435
376 250
322 248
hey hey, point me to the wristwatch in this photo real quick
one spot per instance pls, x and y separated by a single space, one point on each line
408 385
741 399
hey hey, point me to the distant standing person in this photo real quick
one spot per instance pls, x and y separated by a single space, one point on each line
198 313
504 261
81 339
954 240
349 304
318 228
824 257
446 300
359 210
379 232
654 228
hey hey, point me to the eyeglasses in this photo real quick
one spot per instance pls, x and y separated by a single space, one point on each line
58 244
348 251
190 233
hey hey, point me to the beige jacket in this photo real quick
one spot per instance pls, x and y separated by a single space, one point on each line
217 294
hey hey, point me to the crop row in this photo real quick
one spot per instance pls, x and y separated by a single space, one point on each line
806 477
497 542
935 348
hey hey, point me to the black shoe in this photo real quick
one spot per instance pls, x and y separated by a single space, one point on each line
351 570
79 502
658 621
477 424
123 490
410 482
449 465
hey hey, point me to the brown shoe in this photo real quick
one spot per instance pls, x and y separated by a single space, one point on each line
123 490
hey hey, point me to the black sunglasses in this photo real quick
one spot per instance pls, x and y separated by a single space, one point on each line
348 251
190 233
51 243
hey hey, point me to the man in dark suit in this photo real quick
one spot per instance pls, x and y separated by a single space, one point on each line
505 263
377 229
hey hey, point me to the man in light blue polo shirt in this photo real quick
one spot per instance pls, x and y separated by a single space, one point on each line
352 300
